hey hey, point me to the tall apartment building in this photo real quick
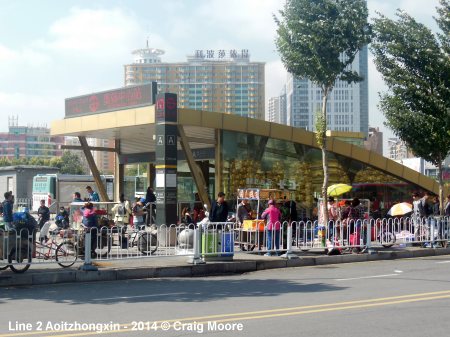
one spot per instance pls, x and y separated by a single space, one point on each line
213 80
28 142
276 111
103 159
348 104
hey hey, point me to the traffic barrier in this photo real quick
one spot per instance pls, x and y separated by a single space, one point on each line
22 247
369 233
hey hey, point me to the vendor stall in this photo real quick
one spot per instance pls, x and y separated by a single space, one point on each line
251 228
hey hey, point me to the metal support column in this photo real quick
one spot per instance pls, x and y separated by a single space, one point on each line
119 173
197 174
94 169
218 163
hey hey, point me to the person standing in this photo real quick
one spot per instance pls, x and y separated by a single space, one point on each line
122 212
138 214
243 211
44 214
333 216
199 213
292 206
77 197
91 222
447 207
150 195
435 210
7 206
273 228
219 209
186 218
93 196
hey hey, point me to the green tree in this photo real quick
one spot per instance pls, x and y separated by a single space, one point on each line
318 40
69 163
36 161
415 64
4 162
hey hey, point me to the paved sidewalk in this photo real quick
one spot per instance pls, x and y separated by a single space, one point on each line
177 266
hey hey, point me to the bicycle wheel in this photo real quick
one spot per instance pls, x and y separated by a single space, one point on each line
66 254
387 239
104 246
147 243
16 263
3 265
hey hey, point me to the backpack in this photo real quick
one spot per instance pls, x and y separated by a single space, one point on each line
20 218
121 210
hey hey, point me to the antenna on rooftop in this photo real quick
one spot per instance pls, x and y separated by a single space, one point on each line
13 121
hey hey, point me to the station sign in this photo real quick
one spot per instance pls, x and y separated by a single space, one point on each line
112 100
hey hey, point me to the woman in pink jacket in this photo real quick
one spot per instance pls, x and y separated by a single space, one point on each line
273 227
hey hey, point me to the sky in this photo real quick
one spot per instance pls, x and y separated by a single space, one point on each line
51 50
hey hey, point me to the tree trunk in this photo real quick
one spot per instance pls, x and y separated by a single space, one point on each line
441 189
324 157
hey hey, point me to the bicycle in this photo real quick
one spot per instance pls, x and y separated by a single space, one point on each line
103 241
63 251
19 253
146 241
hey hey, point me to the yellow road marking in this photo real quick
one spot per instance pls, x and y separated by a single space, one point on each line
268 313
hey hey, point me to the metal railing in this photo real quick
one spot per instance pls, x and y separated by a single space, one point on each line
22 247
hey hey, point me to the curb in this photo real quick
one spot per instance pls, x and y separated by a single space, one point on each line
208 269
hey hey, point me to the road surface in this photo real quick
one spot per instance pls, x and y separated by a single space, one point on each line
409 297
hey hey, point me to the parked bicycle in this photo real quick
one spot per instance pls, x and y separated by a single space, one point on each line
145 239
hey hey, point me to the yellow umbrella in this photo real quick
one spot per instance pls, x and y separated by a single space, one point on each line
338 189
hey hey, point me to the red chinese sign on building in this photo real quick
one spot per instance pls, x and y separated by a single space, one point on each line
123 98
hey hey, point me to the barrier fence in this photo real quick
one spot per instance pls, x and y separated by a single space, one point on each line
21 247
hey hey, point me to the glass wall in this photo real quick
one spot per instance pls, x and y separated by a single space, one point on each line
261 162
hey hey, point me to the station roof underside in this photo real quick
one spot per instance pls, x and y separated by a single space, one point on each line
135 128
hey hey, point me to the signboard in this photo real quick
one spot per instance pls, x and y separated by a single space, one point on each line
262 194
222 54
166 158
166 108
123 98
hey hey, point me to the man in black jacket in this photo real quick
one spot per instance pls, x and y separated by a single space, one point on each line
219 209
44 214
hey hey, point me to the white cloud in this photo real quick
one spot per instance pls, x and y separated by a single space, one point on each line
92 31
7 54
250 19
36 109
81 52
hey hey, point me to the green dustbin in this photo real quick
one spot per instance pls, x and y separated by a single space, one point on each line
210 241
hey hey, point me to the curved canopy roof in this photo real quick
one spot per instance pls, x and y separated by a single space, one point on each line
135 128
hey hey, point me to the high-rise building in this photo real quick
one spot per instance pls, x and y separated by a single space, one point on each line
29 142
276 111
348 104
104 159
213 80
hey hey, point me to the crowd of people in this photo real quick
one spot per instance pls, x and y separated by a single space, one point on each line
142 212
